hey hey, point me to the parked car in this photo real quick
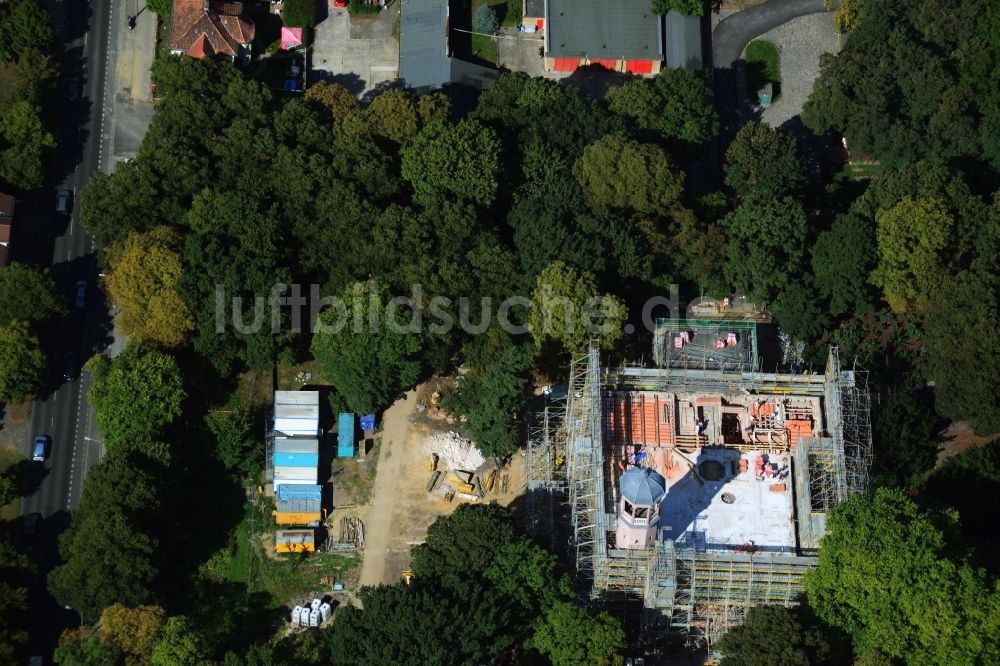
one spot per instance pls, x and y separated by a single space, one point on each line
72 89
81 294
70 367
30 524
41 449
62 201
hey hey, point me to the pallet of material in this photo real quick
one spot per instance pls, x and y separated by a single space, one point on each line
435 477
778 487
467 496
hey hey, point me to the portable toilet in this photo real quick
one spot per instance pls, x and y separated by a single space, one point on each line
314 618
304 618
296 614
345 435
325 611
316 603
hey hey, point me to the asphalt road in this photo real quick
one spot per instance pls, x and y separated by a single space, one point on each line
61 411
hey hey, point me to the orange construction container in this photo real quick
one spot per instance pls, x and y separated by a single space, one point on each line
295 518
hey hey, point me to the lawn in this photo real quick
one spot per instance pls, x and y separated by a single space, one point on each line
762 67
480 48
284 577
8 457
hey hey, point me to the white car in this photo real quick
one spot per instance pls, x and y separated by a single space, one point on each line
40 451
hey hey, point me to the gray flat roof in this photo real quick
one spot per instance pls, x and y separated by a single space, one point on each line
600 29
423 43
683 41
534 8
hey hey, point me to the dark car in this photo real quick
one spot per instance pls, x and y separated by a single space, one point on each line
80 300
72 89
30 525
71 368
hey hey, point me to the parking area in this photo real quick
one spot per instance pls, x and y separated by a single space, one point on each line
362 55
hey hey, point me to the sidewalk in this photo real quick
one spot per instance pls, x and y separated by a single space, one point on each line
132 105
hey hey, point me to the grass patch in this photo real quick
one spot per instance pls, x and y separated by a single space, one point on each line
354 478
289 379
762 67
249 559
9 457
484 48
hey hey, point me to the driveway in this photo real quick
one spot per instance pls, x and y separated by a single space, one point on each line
361 56
800 43
732 34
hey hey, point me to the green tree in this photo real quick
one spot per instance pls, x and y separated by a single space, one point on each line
24 141
180 644
84 647
915 247
140 375
569 636
161 7
677 103
958 355
766 241
236 446
842 259
114 517
462 158
462 544
132 631
566 308
299 13
15 610
764 161
653 183
485 20
918 107
333 98
28 295
24 25
790 641
847 14
393 115
143 277
905 435
689 7
366 349
113 206
415 624
21 361
434 107
492 395
886 576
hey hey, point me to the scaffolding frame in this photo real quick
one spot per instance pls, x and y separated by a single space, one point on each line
692 356
691 590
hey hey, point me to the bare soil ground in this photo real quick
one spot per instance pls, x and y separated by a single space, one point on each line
959 437
401 509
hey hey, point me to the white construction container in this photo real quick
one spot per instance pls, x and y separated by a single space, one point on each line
314 618
296 413
297 614
325 611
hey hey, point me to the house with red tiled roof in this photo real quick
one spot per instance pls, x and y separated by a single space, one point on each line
200 28
6 226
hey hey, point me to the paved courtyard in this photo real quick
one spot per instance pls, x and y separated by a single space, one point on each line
800 43
361 55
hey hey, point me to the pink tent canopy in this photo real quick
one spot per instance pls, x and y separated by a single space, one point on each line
290 37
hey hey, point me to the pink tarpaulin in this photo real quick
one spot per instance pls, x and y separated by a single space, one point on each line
290 37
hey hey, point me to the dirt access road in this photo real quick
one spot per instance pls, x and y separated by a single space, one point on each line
401 509
382 522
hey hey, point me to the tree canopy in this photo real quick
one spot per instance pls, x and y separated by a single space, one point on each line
460 158
887 575
145 271
676 103
763 161
568 635
28 295
21 362
139 375
617 172
567 309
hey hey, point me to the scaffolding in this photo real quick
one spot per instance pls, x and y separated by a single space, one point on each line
546 479
705 344
690 589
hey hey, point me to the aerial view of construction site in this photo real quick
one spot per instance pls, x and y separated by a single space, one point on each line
699 488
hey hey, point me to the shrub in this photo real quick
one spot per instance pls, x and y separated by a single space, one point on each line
359 8
485 20
299 13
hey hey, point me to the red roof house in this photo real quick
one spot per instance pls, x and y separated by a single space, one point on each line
200 28
6 226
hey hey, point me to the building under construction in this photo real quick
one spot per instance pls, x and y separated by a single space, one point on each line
701 487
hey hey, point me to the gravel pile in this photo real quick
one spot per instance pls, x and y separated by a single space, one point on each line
454 450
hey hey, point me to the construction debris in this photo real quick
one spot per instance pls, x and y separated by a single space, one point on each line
433 482
352 531
456 451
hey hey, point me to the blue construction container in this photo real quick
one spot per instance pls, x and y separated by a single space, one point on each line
345 435
368 422
296 460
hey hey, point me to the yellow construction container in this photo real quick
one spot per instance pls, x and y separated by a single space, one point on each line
295 541
296 518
